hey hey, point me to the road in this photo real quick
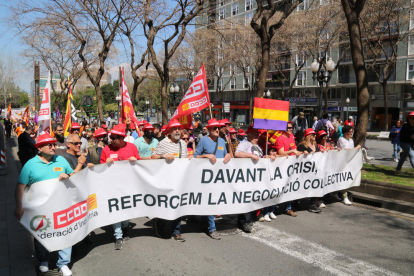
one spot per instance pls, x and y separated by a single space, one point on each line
383 151
342 240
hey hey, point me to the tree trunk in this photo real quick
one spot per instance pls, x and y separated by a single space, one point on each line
99 100
384 88
164 104
261 83
358 61
251 109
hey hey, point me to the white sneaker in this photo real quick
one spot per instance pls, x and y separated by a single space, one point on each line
395 160
65 271
272 216
322 205
266 218
346 201
44 267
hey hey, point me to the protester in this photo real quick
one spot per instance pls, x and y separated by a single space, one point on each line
184 137
169 148
233 141
76 160
322 141
75 129
286 146
8 126
27 149
395 139
308 146
202 134
20 128
241 135
212 147
119 150
158 134
345 143
129 138
406 142
46 165
315 122
191 137
94 152
349 122
223 134
299 123
146 144
141 124
61 143
90 136
325 125
250 149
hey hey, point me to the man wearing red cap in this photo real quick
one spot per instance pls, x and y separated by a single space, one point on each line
169 148
75 129
241 135
407 142
233 141
94 152
119 150
46 165
212 147
146 144
224 131
159 132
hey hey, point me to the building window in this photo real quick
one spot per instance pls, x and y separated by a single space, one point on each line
334 93
249 5
248 18
301 81
410 69
246 82
222 2
411 45
304 5
235 9
351 92
301 60
222 14
220 84
232 83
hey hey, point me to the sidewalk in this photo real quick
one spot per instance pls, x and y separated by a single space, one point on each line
16 244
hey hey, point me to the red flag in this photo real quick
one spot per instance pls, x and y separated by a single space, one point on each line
196 98
185 121
127 110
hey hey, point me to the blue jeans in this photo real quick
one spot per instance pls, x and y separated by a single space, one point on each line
118 228
269 209
43 255
397 148
175 225
209 220
288 205
407 152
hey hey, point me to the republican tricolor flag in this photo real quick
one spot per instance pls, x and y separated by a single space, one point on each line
270 114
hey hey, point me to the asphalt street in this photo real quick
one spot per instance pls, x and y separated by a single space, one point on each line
382 151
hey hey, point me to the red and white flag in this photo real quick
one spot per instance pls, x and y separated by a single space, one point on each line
196 98
44 112
127 110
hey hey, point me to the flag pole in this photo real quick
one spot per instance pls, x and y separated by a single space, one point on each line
267 139
211 114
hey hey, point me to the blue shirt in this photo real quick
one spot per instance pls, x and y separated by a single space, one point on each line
134 134
36 170
144 149
396 139
207 146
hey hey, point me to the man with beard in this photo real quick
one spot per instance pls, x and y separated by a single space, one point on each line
94 152
158 134
146 144
61 143
169 148
46 165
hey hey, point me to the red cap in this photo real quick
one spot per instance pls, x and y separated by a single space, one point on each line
163 128
191 127
100 132
132 125
104 126
222 122
321 133
241 132
119 130
226 121
142 123
411 114
251 129
232 131
44 139
75 126
309 131
148 126
172 123
213 123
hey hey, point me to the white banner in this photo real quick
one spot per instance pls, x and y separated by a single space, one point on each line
44 112
61 213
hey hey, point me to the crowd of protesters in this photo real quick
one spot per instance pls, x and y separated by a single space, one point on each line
55 156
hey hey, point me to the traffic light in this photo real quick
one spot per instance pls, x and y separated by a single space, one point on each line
87 101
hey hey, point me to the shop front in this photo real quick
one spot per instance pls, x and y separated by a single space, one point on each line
239 111
305 105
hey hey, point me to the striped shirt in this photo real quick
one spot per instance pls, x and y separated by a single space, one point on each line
166 146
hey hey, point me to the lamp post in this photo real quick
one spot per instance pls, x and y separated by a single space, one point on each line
319 70
174 94
267 94
147 104
118 99
347 107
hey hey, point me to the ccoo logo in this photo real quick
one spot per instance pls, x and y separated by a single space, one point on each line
39 223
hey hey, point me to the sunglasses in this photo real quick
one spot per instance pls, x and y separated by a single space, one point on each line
113 137
290 128
76 143
215 128
50 145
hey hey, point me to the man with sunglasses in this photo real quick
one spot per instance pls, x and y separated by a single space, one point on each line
76 160
75 129
146 144
212 147
46 165
119 150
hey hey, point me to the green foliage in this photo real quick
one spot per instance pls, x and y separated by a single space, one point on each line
111 107
109 92
14 95
77 99
149 90
62 104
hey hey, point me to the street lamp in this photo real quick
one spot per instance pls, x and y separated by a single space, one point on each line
118 99
347 107
318 69
174 93
267 94
147 104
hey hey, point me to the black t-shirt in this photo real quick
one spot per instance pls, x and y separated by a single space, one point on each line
160 138
26 145
61 147
72 160
405 133
303 148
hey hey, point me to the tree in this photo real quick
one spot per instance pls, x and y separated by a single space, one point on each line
352 10
109 92
385 25
172 24
262 24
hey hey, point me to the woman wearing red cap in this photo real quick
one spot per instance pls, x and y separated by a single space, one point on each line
322 140
407 142
308 145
